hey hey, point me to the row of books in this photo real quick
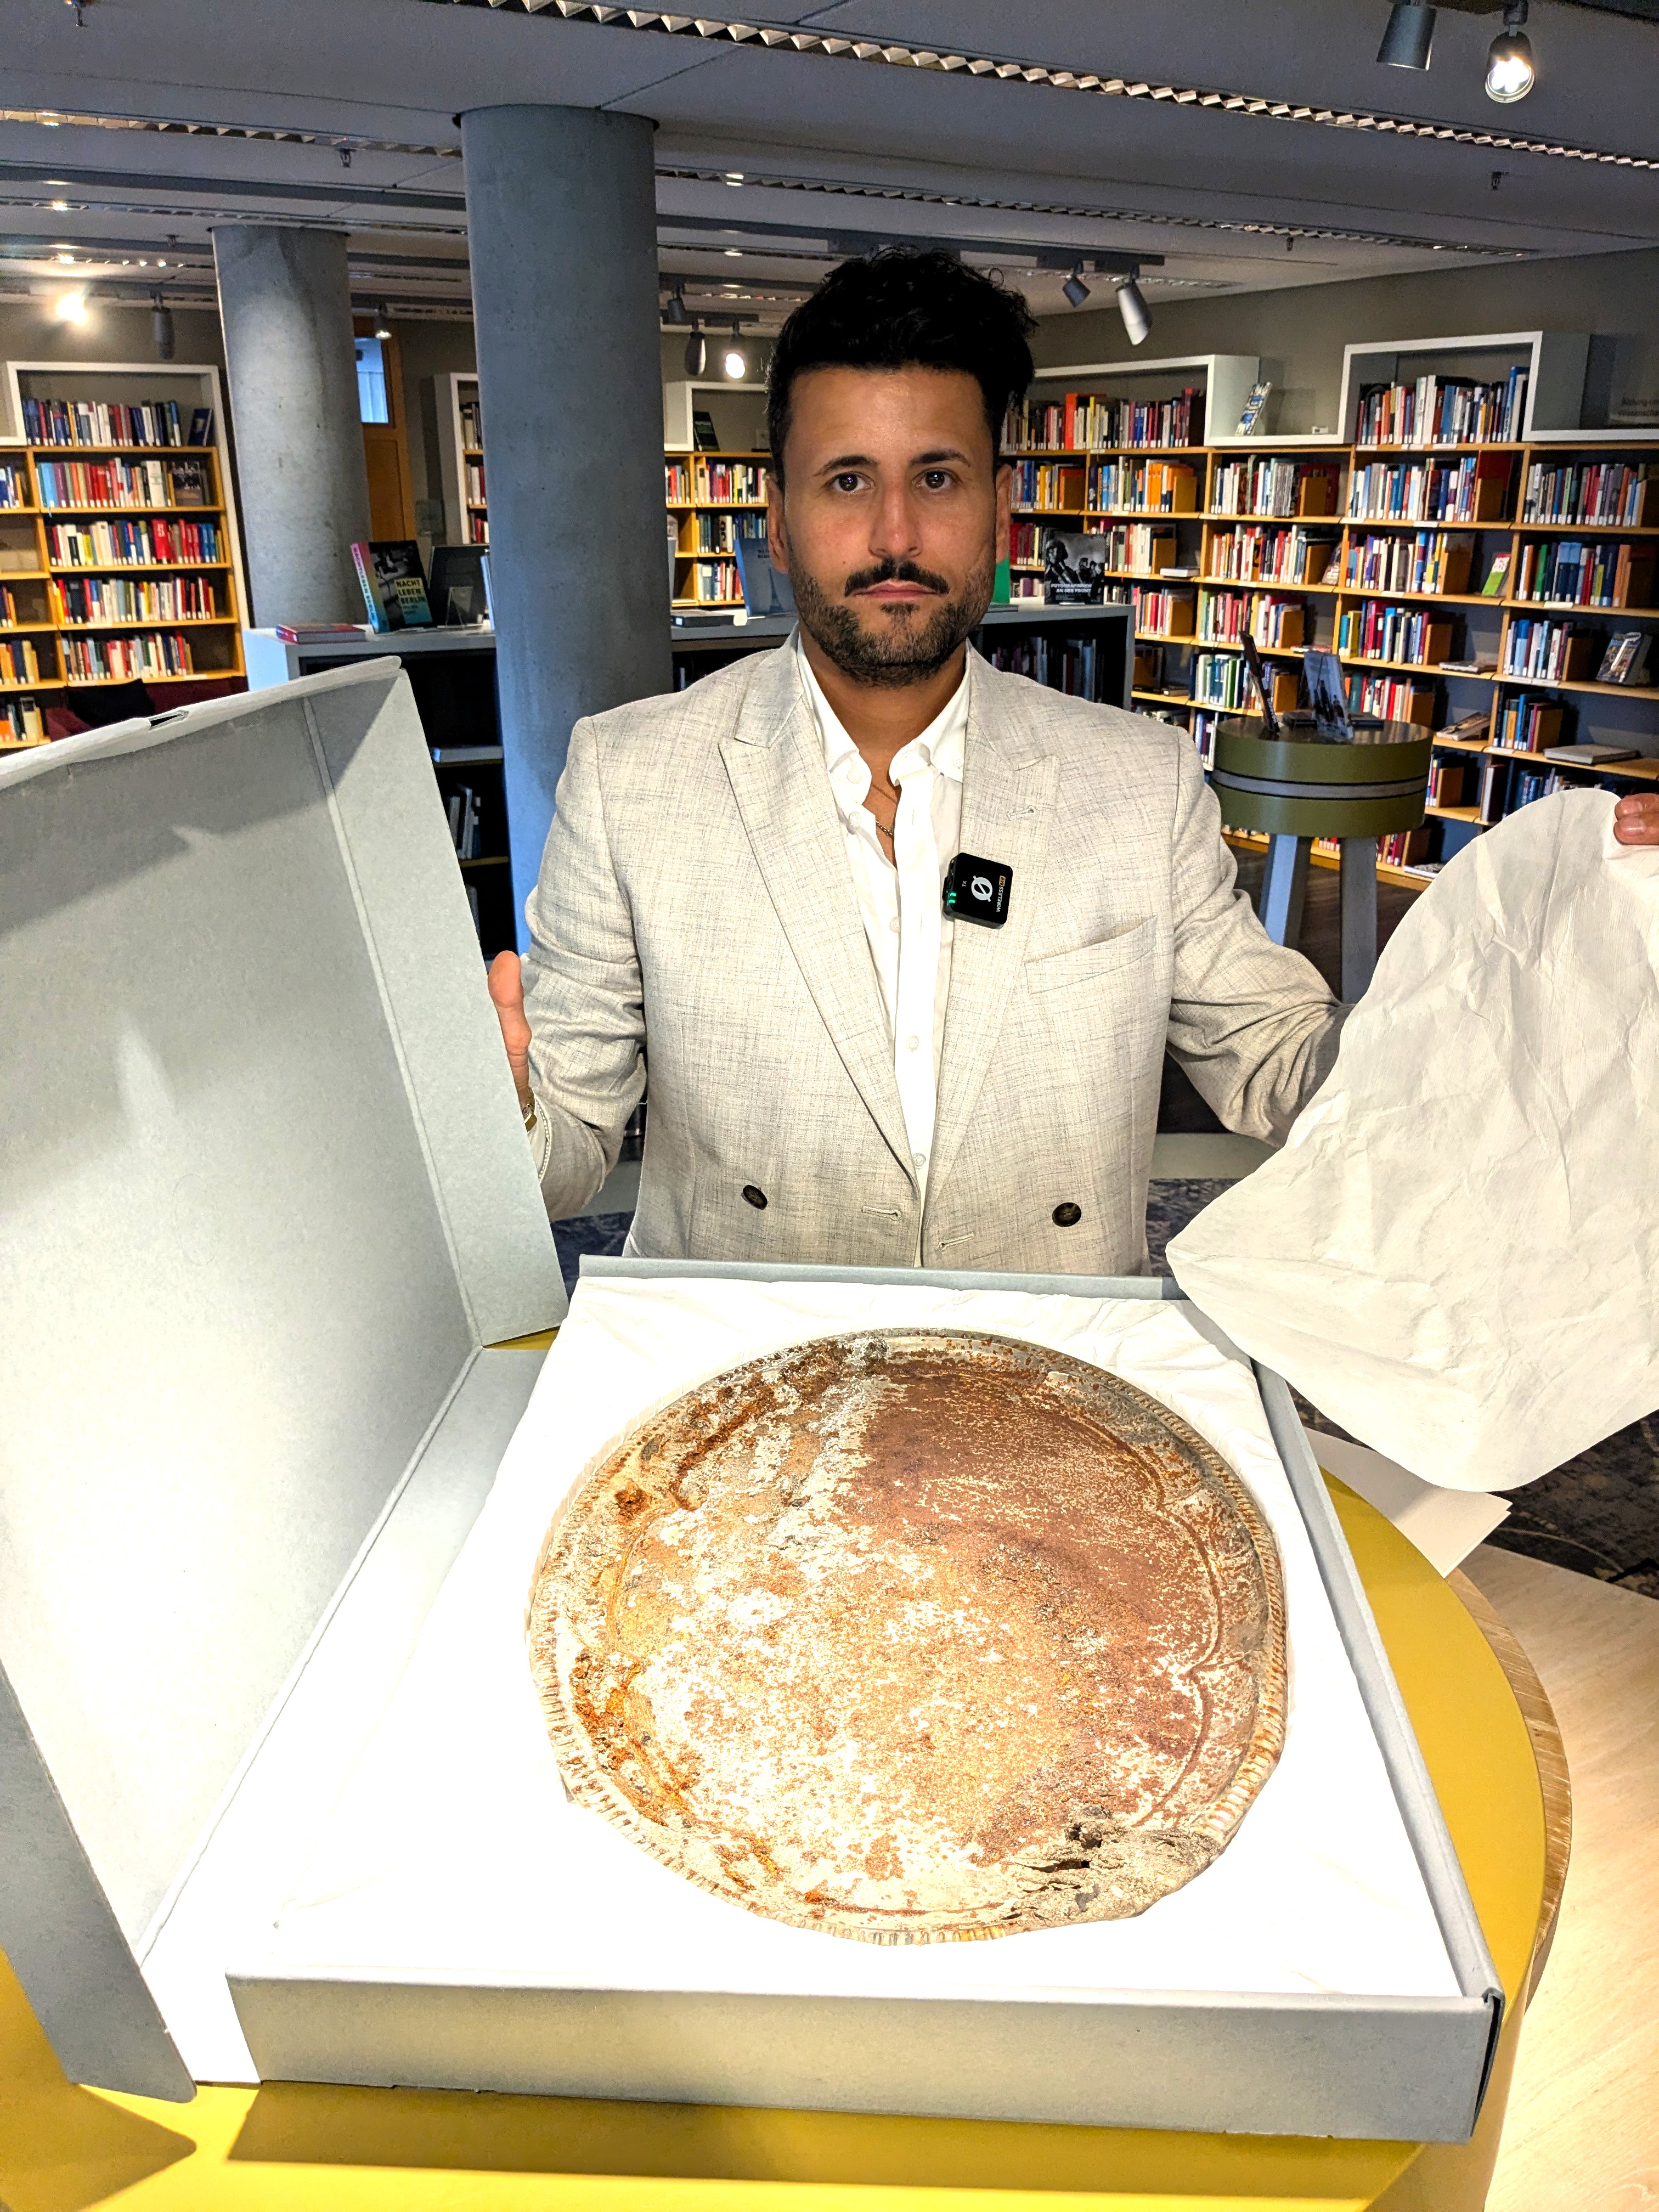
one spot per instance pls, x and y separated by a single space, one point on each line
1279 488
1506 786
157 652
1443 410
92 423
464 808
1144 488
1472 488
126 599
704 480
160 543
1141 548
1396 698
1448 777
1374 631
1082 421
1252 555
475 494
1048 487
1221 679
122 483
21 721
14 485
1592 492
477 528
19 661
717 532
471 422
1527 725
1160 613
10 607
1401 849
1078 665
1428 561
1547 652
713 583
1228 617
1585 572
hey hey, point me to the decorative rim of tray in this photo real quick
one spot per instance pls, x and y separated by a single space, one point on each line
619 1483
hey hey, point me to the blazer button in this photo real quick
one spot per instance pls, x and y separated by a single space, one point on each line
1066 1217
756 1198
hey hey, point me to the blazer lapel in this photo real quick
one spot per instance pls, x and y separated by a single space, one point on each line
1008 789
775 763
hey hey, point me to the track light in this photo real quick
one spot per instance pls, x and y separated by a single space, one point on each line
1075 289
674 312
696 351
160 328
1132 308
1510 71
71 308
1410 33
734 360
382 322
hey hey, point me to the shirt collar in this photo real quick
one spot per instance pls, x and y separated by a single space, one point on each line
940 745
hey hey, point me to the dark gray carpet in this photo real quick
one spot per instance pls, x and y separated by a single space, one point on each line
1598 1514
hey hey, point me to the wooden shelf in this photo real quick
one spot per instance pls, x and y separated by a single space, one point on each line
138 507
1591 529
1261 584
1168 698
1409 522
163 621
1454 813
1577 684
1478 445
1429 668
1572 607
40 684
147 453
1428 599
488 860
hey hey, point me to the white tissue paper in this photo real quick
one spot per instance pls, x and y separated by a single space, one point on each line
1457 1254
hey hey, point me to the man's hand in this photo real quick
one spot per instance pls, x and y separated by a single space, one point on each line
1635 820
507 989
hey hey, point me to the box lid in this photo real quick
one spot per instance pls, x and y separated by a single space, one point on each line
266 1194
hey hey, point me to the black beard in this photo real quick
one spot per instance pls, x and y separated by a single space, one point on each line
910 652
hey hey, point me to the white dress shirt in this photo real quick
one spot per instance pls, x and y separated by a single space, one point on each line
900 900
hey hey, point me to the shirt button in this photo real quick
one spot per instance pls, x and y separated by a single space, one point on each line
919 1159
893 925
910 1043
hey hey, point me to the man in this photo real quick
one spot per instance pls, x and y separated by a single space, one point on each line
742 886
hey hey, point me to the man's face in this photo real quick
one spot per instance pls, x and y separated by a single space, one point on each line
894 518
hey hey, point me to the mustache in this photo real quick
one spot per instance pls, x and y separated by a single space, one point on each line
895 572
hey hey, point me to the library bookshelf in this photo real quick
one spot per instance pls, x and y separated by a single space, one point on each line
118 560
710 497
1404 561
460 442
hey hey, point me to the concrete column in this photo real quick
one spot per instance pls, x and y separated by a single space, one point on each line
561 222
285 302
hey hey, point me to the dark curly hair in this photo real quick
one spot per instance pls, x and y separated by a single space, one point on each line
901 307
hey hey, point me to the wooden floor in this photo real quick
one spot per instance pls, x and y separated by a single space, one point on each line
1583 2131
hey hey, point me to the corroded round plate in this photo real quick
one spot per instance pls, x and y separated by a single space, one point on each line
912 1636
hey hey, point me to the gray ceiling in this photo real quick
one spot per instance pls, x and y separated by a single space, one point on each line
1251 143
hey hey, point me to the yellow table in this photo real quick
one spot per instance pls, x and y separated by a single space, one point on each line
391 2150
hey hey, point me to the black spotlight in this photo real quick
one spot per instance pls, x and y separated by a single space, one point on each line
160 328
674 313
1410 34
1075 289
697 353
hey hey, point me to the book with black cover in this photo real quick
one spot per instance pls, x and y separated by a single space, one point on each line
201 427
1074 567
703 430
393 581
189 481
459 589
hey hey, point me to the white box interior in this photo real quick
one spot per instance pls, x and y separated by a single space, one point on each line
454 1854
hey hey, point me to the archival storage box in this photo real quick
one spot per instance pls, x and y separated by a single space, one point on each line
268 1201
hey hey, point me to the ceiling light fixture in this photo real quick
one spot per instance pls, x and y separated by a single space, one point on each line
674 312
66 261
1510 70
383 323
1075 289
696 351
71 308
1132 308
160 328
1410 34
60 207
734 360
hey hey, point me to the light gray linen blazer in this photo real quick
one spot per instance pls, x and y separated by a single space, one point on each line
696 909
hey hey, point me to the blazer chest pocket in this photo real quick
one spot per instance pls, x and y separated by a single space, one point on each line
1091 965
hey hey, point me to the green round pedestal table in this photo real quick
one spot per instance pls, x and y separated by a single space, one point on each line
1304 781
